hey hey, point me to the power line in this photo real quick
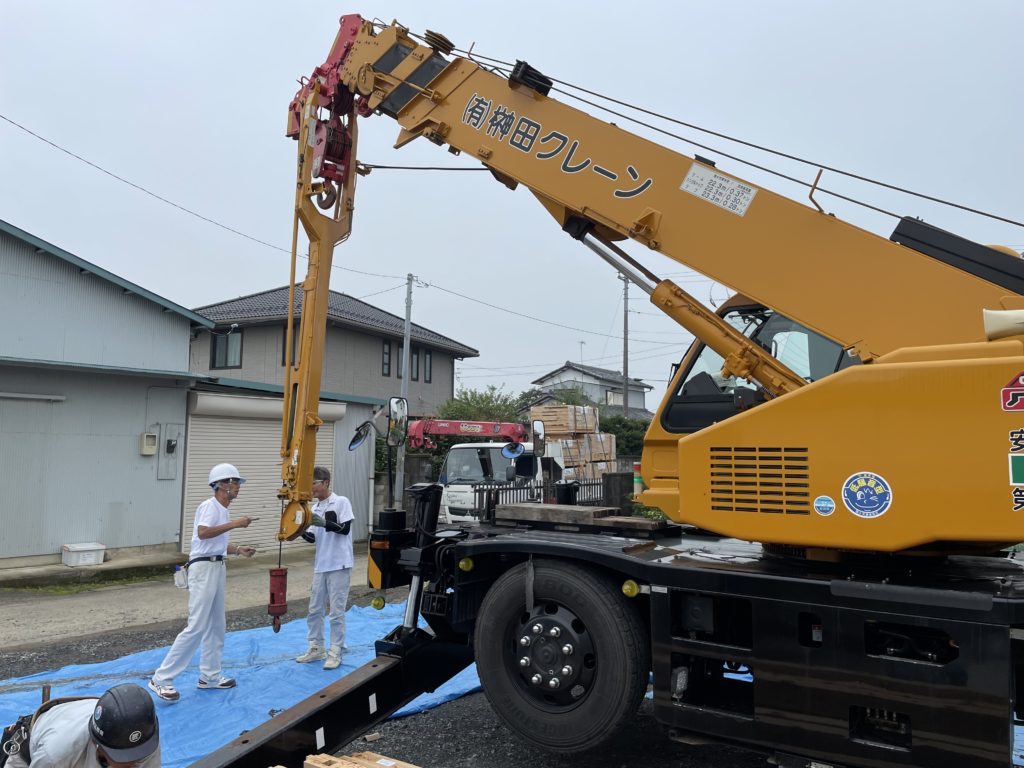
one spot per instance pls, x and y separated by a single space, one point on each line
173 204
758 147
216 223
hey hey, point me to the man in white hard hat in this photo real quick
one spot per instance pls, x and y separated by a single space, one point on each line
206 572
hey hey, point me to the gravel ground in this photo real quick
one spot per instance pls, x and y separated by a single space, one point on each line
464 733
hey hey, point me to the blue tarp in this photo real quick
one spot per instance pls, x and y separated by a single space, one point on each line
268 677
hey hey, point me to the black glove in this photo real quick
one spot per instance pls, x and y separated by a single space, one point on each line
307 536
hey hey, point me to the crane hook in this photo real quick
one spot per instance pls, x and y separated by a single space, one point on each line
328 197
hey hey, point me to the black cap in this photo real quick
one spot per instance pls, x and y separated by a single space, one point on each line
124 723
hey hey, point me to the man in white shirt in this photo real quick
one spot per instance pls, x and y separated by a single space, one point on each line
119 728
206 571
332 571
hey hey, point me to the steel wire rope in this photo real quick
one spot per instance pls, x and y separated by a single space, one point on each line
532 368
752 145
181 208
216 223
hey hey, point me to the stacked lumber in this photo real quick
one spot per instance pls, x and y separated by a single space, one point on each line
571 431
358 760
565 420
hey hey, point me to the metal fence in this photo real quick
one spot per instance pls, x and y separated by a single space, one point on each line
588 492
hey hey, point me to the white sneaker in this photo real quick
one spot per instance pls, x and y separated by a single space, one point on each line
333 659
220 682
165 691
315 653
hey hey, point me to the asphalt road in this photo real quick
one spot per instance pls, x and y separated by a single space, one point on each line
464 733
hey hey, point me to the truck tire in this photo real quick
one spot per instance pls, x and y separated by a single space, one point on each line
581 632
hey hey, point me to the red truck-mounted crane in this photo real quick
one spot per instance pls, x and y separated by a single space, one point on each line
421 429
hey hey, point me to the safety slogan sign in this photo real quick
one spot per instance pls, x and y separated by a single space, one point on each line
1012 395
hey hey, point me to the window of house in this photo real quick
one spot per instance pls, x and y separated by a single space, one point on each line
226 350
284 344
427 366
385 360
401 358
611 397
414 364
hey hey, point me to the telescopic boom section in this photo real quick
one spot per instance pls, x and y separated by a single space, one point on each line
324 194
419 430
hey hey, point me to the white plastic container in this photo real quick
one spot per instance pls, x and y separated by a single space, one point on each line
89 553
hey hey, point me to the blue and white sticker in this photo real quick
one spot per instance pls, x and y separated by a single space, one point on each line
867 495
824 505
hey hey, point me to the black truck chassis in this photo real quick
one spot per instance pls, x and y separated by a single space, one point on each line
869 664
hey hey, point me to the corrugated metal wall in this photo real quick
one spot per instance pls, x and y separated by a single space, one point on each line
49 310
72 471
252 445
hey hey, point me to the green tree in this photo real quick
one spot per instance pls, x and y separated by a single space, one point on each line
491 404
629 434
572 396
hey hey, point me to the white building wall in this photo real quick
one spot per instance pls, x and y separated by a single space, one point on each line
51 311
352 366
72 468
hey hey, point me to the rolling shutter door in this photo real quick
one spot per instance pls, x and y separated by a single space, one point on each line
252 445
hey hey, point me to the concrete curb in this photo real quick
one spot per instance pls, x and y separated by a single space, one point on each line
143 567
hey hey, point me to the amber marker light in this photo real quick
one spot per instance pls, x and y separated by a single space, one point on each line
630 588
377 602
466 564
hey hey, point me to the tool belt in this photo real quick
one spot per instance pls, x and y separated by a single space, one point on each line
205 558
15 739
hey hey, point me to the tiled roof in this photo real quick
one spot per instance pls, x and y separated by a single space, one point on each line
598 373
272 305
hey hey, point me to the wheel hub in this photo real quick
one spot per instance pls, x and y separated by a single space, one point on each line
554 655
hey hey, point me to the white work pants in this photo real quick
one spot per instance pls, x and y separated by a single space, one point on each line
206 581
329 589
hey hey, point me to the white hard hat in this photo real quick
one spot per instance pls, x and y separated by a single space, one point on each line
225 472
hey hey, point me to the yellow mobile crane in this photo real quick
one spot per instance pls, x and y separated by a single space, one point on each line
856 608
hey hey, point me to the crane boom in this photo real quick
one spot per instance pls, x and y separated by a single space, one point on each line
849 295
585 170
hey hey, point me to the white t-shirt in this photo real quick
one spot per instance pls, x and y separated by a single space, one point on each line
333 550
210 513
60 739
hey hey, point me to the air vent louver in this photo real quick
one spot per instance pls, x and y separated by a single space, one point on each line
760 479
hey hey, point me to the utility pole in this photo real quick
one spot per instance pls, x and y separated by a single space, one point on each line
581 350
404 391
625 346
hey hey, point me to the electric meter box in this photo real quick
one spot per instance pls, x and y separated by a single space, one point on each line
147 443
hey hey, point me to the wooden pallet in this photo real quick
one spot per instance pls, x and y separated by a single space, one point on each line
358 760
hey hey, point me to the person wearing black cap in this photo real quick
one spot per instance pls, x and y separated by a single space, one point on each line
118 729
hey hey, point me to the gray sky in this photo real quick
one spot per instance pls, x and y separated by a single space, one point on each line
189 101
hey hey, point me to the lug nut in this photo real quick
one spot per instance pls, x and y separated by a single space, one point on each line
567 650
524 662
566 670
537 629
554 682
555 631
524 640
537 679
